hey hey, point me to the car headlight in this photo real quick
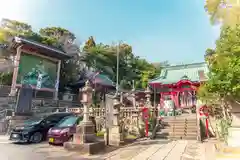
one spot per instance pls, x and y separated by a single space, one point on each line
50 130
28 128
20 128
66 130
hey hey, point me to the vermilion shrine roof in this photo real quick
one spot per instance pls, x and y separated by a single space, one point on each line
195 72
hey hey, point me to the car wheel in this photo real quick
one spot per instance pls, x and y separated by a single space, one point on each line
36 137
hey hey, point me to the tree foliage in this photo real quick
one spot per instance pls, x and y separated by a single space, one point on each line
52 36
132 69
96 56
224 67
225 11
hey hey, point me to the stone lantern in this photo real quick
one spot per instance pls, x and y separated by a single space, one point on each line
148 96
84 140
86 101
115 134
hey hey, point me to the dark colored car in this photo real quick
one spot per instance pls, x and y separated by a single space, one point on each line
34 130
64 130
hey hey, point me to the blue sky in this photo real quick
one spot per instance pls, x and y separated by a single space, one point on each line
159 30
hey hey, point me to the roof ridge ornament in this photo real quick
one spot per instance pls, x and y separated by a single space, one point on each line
184 77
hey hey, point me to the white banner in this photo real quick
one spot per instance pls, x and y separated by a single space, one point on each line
39 81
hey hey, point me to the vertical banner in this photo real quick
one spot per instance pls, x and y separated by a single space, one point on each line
146 117
56 85
39 81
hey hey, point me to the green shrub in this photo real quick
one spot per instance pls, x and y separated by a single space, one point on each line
100 134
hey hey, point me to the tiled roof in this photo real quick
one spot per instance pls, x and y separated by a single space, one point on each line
103 80
194 72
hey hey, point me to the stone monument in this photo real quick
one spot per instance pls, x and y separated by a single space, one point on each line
85 140
24 100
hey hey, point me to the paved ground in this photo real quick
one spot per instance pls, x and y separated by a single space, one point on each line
141 150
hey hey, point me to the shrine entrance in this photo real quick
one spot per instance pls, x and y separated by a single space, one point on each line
177 88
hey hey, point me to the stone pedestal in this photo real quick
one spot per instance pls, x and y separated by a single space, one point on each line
85 133
233 137
234 131
84 140
115 137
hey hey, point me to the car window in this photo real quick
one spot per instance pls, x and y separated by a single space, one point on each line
54 118
67 121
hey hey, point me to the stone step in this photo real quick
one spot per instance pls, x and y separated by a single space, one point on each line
178 123
178 130
181 127
176 137
176 133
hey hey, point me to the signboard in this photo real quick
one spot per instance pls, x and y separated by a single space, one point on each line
34 69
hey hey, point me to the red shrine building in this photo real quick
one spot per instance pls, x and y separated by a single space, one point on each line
179 83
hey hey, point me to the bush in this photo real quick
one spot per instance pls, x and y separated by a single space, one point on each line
100 134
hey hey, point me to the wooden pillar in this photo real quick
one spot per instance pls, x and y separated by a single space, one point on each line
177 99
15 71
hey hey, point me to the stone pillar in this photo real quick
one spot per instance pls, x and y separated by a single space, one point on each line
133 98
234 130
115 135
121 97
15 71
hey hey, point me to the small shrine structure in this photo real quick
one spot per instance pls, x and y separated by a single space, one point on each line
37 65
179 83
100 83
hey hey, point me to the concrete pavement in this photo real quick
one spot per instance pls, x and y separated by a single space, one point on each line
140 150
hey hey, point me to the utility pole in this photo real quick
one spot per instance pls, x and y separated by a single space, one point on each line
117 76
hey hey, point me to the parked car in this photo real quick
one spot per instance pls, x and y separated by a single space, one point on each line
34 130
64 130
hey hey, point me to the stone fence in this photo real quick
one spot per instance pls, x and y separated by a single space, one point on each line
130 117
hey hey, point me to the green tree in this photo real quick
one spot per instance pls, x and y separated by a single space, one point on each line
9 29
226 11
224 65
131 68
223 86
52 36
59 37
90 43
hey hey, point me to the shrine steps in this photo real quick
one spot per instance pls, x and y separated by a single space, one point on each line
178 128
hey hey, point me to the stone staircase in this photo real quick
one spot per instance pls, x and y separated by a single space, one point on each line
178 128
